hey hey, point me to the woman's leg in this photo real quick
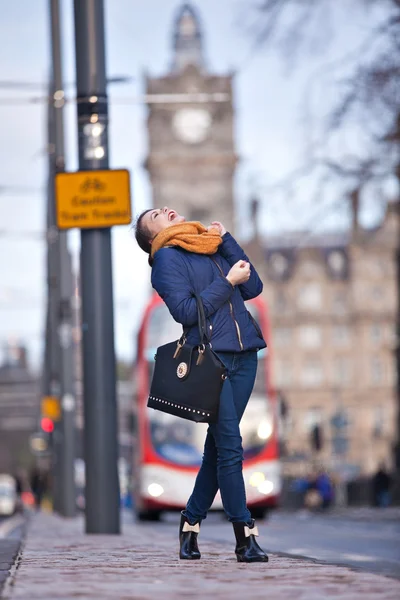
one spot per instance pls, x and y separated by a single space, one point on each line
228 440
206 485
223 453
242 379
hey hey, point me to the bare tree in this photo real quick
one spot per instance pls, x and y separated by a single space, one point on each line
366 82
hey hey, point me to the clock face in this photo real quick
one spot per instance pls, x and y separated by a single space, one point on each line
191 125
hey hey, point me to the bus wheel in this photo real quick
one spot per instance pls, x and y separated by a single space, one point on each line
149 515
259 512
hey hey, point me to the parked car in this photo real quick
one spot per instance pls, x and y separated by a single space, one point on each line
8 495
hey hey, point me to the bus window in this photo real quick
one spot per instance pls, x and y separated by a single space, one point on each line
177 440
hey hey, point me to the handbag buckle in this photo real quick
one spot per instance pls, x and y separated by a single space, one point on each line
179 347
200 357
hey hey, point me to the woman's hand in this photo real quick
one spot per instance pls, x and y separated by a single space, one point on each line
239 273
218 226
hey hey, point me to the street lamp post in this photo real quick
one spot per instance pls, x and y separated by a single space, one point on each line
59 321
99 376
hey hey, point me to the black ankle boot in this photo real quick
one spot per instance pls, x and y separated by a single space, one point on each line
247 549
188 533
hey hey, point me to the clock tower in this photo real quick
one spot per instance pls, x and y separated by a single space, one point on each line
191 159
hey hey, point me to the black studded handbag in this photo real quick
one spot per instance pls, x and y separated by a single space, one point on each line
187 380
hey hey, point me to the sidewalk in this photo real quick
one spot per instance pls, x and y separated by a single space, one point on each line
60 563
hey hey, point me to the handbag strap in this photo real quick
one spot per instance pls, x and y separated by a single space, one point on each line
201 319
201 322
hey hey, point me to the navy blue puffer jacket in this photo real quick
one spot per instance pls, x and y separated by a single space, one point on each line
178 274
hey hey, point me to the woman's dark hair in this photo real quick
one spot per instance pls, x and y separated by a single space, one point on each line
143 235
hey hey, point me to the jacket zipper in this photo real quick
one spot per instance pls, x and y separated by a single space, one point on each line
231 311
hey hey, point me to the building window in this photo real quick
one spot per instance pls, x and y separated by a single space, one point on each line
340 421
339 302
341 371
376 333
310 336
282 336
311 374
310 297
283 374
376 371
341 335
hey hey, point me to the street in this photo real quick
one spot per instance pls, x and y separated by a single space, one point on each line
372 544
11 532
11 527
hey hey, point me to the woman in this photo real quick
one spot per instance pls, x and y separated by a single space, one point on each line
187 258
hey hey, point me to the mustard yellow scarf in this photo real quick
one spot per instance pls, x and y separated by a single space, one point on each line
191 236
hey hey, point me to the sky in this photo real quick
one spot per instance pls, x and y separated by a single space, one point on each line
270 138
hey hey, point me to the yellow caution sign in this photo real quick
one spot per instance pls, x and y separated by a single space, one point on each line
92 199
51 408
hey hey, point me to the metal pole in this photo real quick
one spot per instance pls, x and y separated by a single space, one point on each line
99 385
65 430
52 354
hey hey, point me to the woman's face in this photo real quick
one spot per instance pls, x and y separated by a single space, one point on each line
160 218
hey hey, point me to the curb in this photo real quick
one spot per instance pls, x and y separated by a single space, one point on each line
12 553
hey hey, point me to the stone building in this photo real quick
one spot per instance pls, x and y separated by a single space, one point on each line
333 304
191 159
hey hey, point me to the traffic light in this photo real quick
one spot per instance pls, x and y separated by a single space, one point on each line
47 428
41 442
47 425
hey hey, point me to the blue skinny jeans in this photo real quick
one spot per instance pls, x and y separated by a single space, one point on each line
222 465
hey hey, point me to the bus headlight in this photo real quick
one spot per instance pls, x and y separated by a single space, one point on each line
259 481
266 487
256 479
155 490
264 430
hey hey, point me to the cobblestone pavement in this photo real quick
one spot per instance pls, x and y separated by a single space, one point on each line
59 562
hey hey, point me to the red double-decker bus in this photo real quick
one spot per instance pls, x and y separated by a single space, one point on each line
169 450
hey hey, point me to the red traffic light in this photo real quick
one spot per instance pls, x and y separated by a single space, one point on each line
47 425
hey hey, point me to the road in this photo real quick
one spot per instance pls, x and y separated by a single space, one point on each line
11 527
11 531
370 545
